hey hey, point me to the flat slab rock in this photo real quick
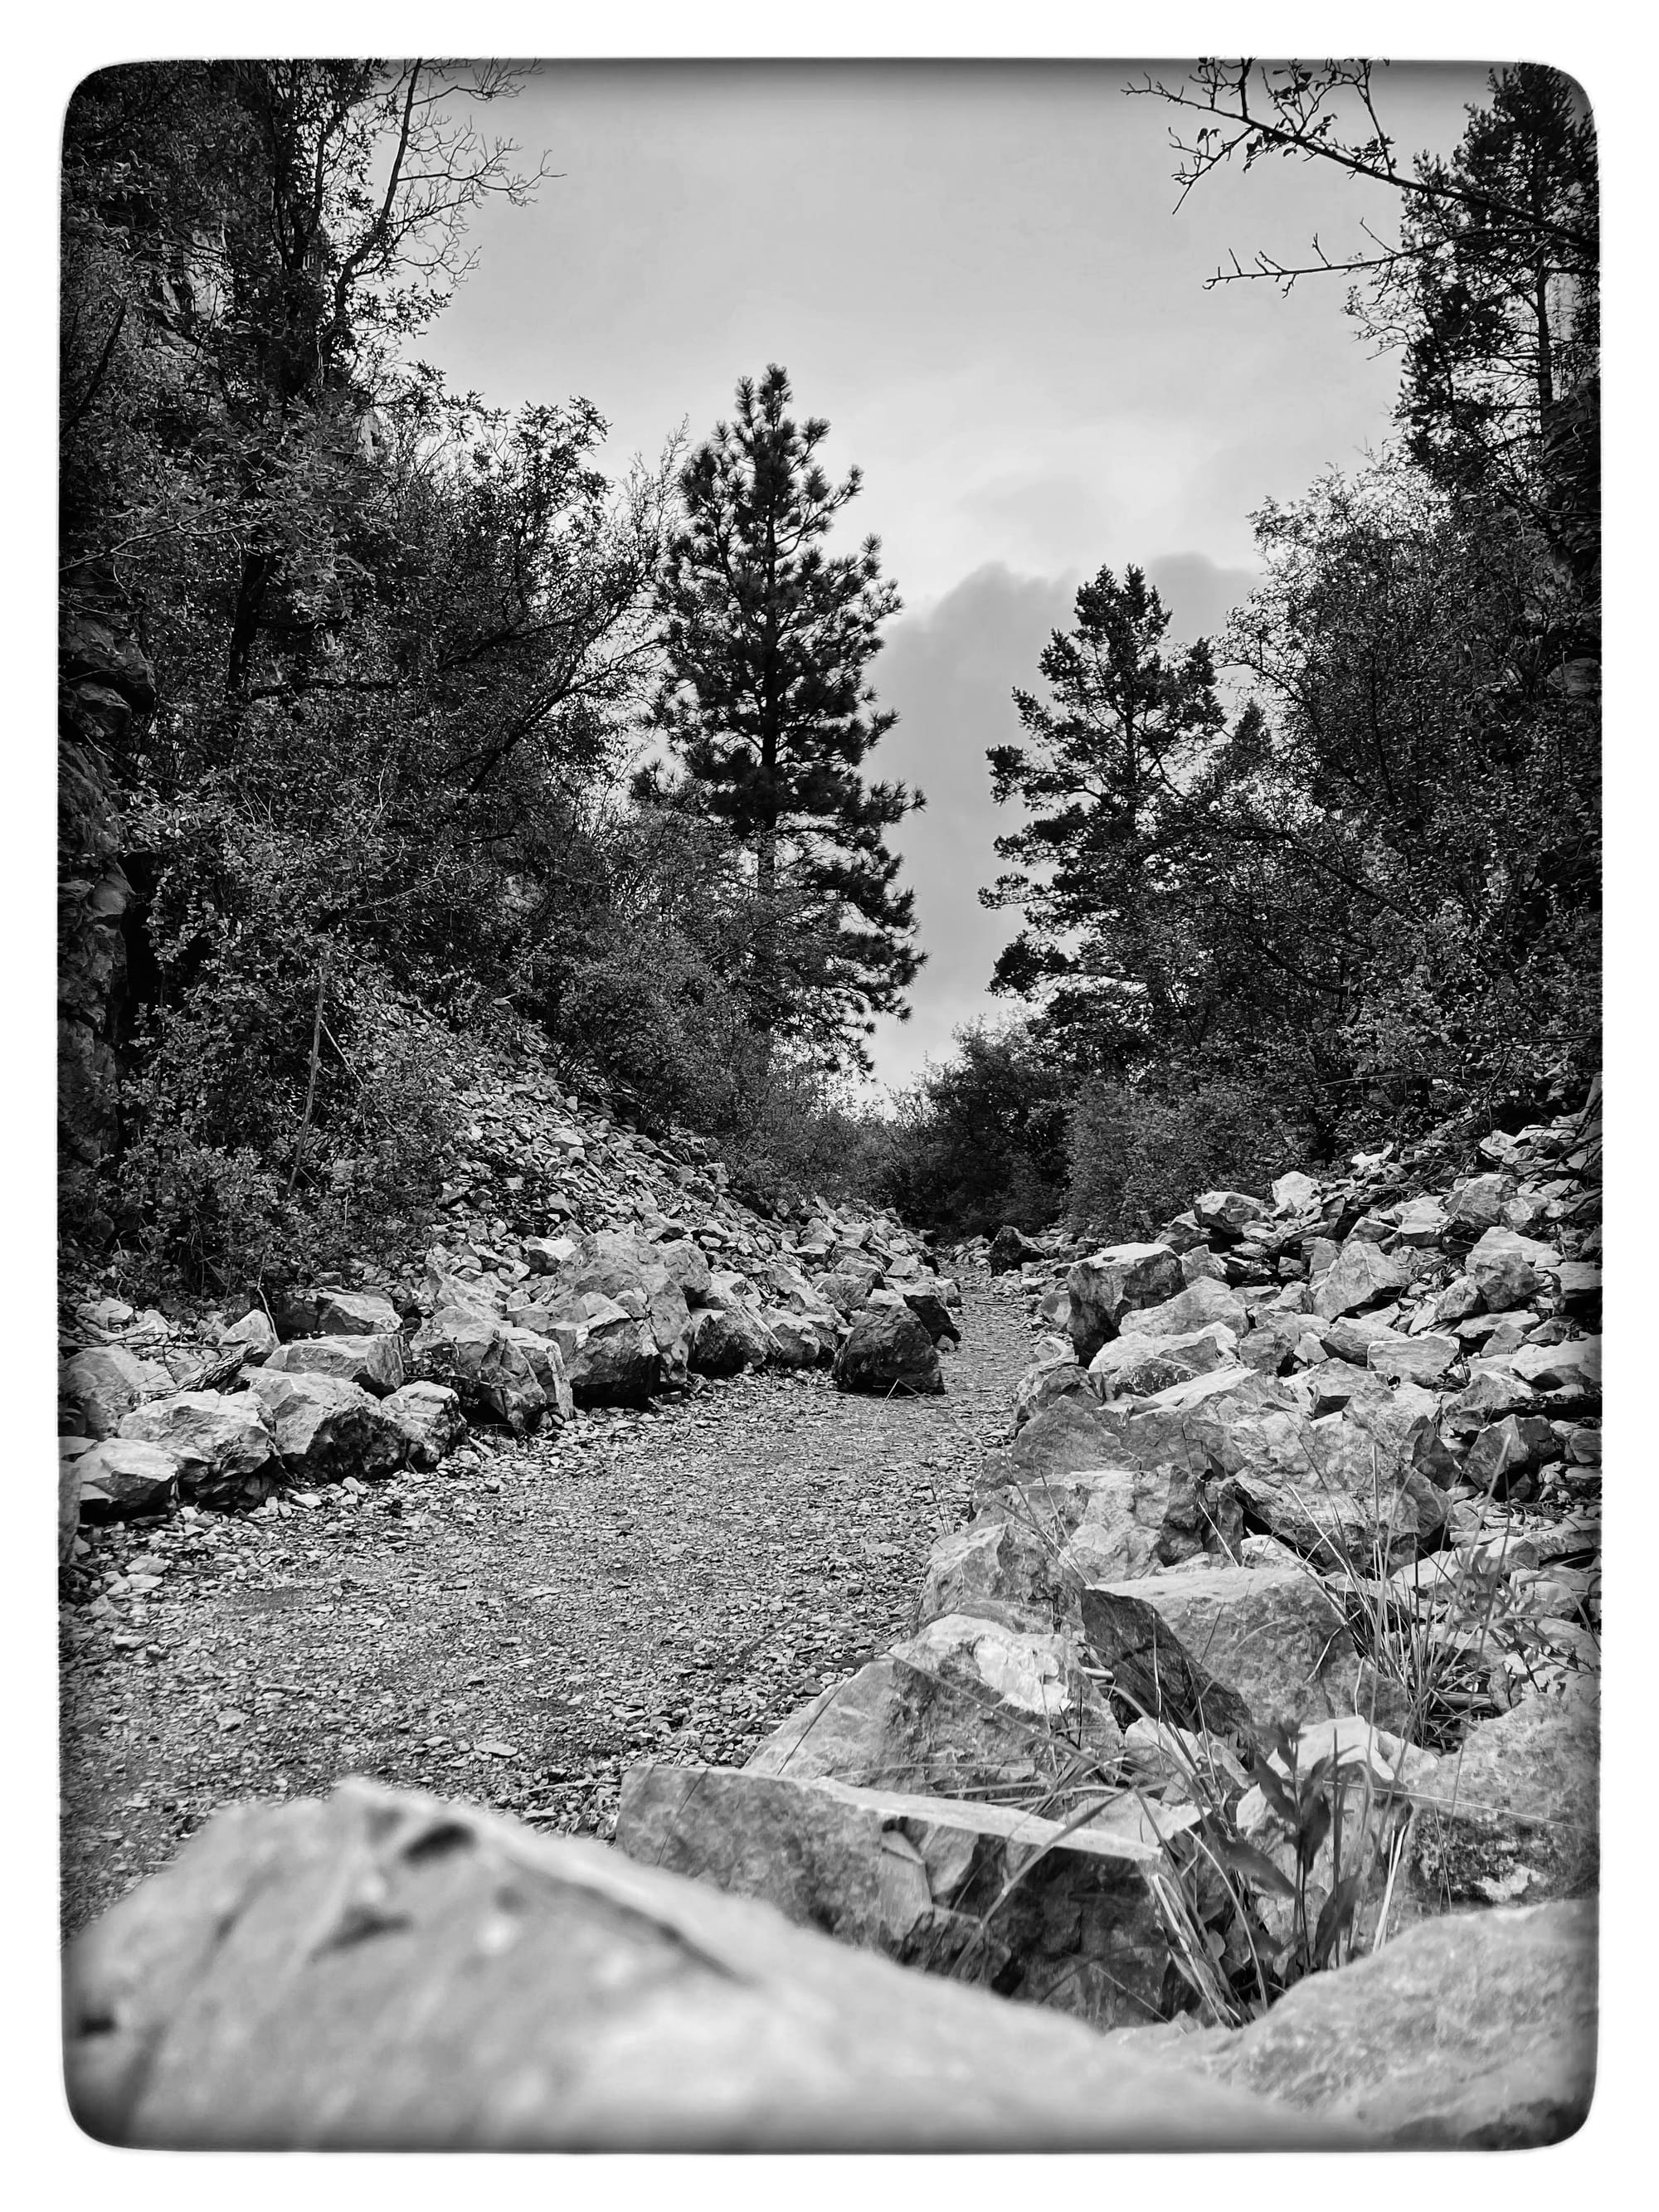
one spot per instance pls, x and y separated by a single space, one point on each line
1473 2031
382 1970
967 1702
1267 1639
989 1893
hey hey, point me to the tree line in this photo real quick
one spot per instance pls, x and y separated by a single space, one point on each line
1334 876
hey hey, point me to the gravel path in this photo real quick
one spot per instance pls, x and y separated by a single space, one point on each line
520 1630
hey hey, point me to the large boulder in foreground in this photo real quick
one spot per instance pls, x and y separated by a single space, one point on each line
889 1354
1473 2031
928 1881
966 1703
382 1971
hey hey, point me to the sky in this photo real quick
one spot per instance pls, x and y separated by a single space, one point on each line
977 273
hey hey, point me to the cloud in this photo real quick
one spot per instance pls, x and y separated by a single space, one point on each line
1199 592
948 670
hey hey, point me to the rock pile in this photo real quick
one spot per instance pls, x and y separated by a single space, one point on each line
622 1269
1275 1624
1306 1469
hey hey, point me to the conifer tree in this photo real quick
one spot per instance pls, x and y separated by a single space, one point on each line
1100 876
768 638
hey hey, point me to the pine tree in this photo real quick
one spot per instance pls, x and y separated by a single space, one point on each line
768 638
1100 877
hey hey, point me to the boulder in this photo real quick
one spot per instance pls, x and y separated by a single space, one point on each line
725 1342
219 1442
965 1704
1131 1521
1026 1558
889 1354
1362 1275
1508 1449
545 1255
1001 1567
1494 1390
253 1333
1202 1648
1477 1201
1270 1342
495 1369
327 1429
1573 1364
1508 1269
847 1290
610 1357
1294 1193
1119 1280
1203 1305
118 1477
1076 1923
1422 1360
1011 1249
930 1310
1352 1336
1328 1387
796 1340
1136 1366
1423 1221
632 1275
1227 1213
1042 1382
428 1417
326 1312
1459 1299
383 1970
107 1382
1512 1817
1475 2031
375 1363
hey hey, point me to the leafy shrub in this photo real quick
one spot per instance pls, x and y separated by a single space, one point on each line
980 1139
1137 1157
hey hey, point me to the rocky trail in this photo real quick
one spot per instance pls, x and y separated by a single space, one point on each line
516 1627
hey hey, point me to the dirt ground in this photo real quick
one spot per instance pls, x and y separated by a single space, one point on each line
518 1627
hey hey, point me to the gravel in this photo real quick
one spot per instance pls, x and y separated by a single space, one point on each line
518 1627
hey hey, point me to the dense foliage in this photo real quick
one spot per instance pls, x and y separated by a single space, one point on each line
372 795
1365 896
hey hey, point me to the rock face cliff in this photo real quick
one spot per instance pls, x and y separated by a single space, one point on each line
106 692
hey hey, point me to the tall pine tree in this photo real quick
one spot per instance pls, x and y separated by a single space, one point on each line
768 639
1100 874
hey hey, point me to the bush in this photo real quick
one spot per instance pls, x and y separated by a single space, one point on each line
982 1139
1136 1159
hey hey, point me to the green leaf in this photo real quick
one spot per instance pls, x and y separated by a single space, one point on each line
1242 1858
1335 1916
